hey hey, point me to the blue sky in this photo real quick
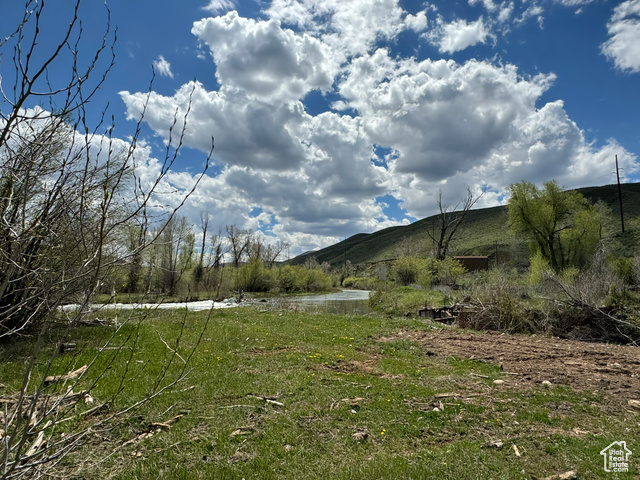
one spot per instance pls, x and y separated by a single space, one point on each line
334 117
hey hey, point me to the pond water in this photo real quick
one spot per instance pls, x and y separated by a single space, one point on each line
344 302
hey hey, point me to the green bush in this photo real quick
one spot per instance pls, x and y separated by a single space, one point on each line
539 268
317 281
624 267
253 277
297 278
406 270
449 271
427 272
361 283
290 278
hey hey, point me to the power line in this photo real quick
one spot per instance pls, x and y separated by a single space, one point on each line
619 194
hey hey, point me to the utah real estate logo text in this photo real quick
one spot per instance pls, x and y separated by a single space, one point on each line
616 457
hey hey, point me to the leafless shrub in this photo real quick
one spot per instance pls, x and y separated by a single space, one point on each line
589 304
500 303
68 194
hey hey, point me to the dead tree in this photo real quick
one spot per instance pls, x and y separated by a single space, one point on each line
198 272
446 223
239 242
272 252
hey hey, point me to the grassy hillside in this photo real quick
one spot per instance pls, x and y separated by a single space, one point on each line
484 231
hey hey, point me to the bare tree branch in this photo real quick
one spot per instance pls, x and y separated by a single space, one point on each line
448 220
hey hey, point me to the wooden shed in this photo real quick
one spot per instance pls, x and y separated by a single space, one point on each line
472 263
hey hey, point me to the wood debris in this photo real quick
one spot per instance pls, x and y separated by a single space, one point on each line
242 431
69 376
166 425
570 475
634 404
270 400
360 436
152 430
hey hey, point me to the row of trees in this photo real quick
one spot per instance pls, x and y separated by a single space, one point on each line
175 262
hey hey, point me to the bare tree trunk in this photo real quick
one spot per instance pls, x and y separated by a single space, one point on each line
448 221
239 241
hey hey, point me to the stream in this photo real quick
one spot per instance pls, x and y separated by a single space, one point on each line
344 302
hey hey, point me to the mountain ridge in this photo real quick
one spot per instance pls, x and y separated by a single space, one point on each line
484 231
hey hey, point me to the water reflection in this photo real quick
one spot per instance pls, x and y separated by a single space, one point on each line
344 302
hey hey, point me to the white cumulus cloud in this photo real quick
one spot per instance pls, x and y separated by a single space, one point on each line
351 27
264 59
458 35
398 126
623 45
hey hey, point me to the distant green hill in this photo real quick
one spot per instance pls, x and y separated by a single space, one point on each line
484 231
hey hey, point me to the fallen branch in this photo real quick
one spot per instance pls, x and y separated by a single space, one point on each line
172 350
234 406
166 425
267 399
69 376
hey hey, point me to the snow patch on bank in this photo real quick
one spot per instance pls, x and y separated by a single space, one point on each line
191 306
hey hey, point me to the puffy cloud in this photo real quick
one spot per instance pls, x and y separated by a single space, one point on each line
248 132
624 37
162 67
350 28
413 128
417 22
440 116
265 60
458 35
327 186
475 124
544 145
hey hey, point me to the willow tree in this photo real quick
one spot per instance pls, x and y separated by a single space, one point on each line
562 225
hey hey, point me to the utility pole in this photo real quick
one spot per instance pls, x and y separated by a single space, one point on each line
619 194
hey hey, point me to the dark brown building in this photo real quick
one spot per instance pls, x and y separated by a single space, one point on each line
474 263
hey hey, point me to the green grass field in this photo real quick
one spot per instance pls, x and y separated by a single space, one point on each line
281 395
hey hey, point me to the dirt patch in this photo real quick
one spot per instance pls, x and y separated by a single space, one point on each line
598 368
354 366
